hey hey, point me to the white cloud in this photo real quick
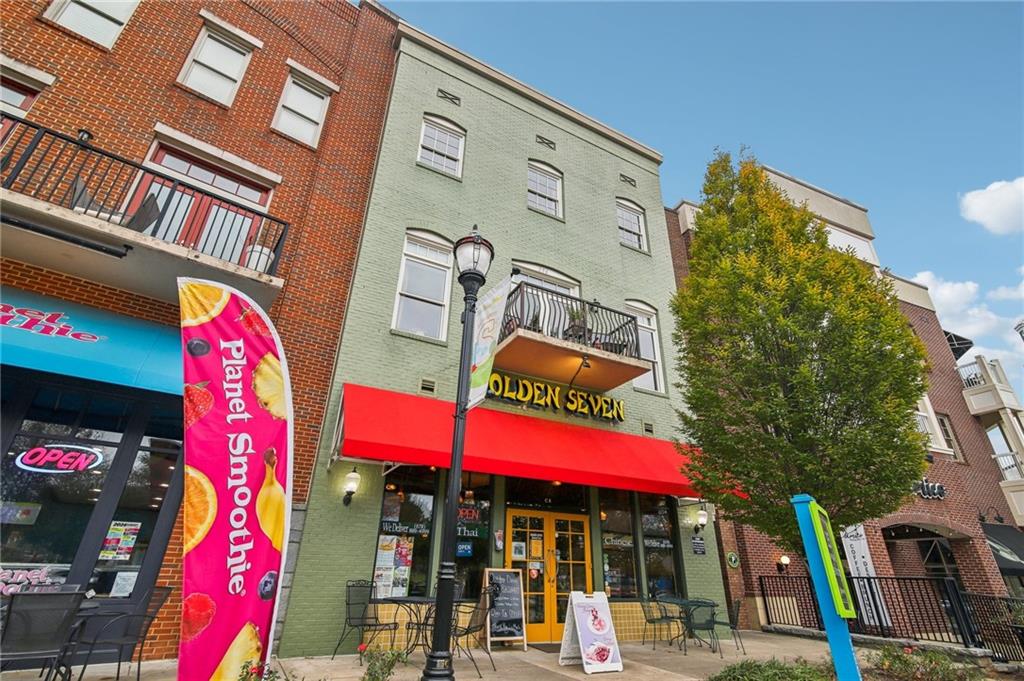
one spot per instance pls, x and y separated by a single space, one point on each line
1007 292
957 307
999 207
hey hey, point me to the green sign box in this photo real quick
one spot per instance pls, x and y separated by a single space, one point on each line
841 595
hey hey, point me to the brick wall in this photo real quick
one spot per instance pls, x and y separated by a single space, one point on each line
120 94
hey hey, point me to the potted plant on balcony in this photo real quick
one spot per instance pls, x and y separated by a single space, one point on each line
577 329
1015 620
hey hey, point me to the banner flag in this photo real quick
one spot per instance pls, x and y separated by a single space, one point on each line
238 469
490 309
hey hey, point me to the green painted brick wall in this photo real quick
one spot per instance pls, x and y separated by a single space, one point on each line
501 128
703 574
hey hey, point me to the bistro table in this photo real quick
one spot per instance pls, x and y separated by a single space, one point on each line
420 609
686 607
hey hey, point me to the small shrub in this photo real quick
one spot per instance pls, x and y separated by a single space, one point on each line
774 670
254 671
380 664
911 664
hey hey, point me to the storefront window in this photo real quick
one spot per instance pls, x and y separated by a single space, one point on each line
659 554
618 549
52 474
131 529
472 550
403 544
548 495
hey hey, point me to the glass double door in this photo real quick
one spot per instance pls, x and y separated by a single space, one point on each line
552 550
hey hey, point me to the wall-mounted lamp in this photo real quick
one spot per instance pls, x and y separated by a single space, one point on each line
997 517
556 483
351 485
702 519
84 136
783 564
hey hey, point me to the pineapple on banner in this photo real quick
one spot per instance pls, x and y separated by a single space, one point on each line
238 464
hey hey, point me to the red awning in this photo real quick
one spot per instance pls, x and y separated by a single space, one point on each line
381 425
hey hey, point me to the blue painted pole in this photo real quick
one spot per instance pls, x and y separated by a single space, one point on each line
836 628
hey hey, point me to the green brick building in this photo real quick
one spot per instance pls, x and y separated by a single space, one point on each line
571 473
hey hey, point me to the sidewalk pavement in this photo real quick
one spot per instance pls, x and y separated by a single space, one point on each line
641 663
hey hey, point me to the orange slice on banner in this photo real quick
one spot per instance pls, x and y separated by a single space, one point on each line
268 384
200 507
201 302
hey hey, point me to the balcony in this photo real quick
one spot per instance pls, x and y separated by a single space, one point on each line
986 388
547 335
72 207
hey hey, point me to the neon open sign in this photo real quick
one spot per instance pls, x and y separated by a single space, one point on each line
59 458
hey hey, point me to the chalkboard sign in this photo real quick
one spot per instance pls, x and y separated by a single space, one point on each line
507 620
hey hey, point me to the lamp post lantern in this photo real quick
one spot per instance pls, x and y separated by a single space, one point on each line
473 255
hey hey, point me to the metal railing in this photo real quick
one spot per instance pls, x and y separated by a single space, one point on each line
971 375
991 616
917 608
1009 466
62 170
572 319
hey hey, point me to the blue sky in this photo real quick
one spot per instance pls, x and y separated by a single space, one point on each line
906 108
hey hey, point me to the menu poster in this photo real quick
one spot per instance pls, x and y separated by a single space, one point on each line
394 562
589 635
120 540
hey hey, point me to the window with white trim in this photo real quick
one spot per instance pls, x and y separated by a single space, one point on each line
650 346
632 230
441 145
216 65
101 21
928 424
544 189
424 286
300 115
948 434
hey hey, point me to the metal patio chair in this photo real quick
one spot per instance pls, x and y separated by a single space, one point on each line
701 618
656 616
734 624
37 626
361 615
107 632
463 635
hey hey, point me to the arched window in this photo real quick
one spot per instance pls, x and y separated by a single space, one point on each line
632 224
544 188
650 345
441 145
424 285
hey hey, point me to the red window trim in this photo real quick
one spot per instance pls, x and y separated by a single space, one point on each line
162 151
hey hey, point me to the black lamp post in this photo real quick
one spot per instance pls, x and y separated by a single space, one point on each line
473 255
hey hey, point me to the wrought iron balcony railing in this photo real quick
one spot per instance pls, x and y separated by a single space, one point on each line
571 319
62 170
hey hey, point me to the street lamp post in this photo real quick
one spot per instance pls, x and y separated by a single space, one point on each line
473 255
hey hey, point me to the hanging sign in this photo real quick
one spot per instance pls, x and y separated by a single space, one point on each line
506 621
486 324
858 557
589 635
238 467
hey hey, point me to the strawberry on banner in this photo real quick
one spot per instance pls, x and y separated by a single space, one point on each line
238 467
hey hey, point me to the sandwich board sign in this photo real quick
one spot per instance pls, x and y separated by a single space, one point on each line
589 636
506 621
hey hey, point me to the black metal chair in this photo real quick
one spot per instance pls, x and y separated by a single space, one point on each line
361 615
109 632
655 615
734 624
464 634
37 626
702 618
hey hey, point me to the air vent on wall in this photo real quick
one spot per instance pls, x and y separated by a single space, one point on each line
550 144
428 385
627 179
648 428
449 97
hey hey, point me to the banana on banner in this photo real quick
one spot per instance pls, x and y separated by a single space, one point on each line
238 467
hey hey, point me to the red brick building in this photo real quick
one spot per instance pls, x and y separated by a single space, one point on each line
232 140
939 533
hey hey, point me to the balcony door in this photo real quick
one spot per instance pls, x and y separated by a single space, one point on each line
547 314
552 550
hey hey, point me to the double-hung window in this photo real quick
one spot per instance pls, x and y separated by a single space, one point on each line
101 21
218 60
303 106
424 284
544 189
948 434
441 145
631 224
650 347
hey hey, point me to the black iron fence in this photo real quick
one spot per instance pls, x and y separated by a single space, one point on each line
916 608
69 172
568 318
